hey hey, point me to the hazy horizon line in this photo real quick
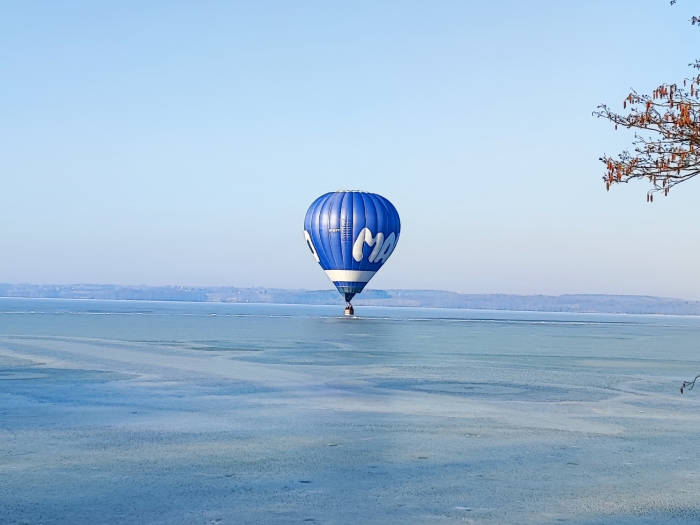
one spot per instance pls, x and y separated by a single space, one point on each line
263 287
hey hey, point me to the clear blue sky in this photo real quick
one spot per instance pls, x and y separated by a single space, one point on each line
181 142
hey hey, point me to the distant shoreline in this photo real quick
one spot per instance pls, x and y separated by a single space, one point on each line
571 303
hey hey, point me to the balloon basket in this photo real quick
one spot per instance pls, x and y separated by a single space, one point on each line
349 310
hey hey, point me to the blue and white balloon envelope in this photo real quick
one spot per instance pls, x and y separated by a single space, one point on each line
351 234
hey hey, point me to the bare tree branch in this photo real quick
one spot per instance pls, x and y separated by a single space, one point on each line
666 145
688 385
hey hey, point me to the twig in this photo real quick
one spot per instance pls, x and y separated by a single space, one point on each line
689 384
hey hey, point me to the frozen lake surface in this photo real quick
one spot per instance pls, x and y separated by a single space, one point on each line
202 413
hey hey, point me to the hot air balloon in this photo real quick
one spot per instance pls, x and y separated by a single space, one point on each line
351 234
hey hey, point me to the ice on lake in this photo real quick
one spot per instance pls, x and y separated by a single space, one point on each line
143 412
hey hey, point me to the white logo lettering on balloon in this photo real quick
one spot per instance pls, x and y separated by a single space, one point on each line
311 246
382 247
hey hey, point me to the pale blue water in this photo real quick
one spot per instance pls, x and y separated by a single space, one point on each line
143 412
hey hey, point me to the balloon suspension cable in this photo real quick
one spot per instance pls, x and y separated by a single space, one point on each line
688 385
